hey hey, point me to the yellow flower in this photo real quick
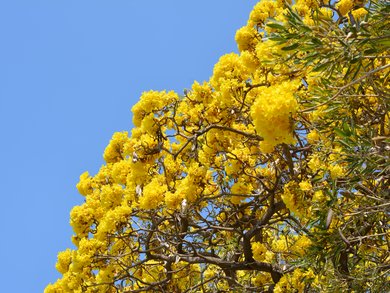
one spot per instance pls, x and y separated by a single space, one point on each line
301 245
115 150
325 13
85 184
272 113
173 200
319 196
313 136
120 170
153 194
259 251
250 61
308 20
246 38
315 163
150 102
294 197
263 10
292 282
305 186
359 13
64 259
344 6
336 171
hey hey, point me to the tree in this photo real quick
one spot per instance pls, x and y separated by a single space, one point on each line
271 177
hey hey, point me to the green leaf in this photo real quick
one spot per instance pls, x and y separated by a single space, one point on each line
385 42
370 51
347 129
344 143
340 133
291 47
355 59
277 38
316 41
320 66
305 28
276 26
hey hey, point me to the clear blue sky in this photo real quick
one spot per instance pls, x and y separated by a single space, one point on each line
70 72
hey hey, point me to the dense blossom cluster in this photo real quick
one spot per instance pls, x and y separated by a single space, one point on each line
271 176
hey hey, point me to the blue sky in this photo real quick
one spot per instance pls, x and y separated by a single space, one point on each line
70 72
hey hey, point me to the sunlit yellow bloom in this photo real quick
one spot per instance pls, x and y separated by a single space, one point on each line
305 186
344 6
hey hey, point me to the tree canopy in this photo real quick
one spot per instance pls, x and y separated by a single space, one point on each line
273 176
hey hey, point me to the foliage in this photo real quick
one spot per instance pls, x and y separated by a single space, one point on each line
273 176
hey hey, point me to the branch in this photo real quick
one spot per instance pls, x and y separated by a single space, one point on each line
274 208
216 126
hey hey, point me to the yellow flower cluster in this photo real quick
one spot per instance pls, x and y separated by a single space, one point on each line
313 136
246 38
301 244
304 7
85 184
153 194
336 171
228 76
315 163
263 10
305 185
294 282
359 13
259 250
64 259
261 253
272 113
344 6
115 151
113 219
294 197
241 187
151 102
